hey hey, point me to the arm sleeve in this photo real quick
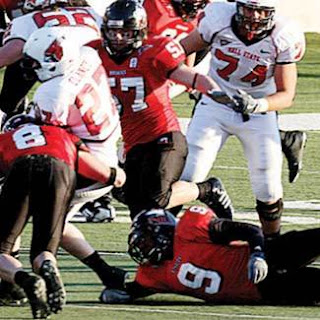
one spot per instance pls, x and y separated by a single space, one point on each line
224 231
169 58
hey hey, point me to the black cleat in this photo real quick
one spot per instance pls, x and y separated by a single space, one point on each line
35 289
11 294
56 294
99 210
293 144
115 278
218 200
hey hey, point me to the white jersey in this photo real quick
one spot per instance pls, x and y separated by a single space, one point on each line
22 27
235 65
82 102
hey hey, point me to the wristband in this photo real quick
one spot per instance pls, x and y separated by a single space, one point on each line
262 106
193 86
112 177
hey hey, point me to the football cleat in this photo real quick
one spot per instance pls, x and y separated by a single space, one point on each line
11 294
293 144
218 200
35 289
99 210
56 295
114 296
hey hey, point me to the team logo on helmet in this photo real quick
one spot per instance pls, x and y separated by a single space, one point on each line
54 53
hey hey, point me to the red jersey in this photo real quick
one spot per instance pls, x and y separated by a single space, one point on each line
164 21
32 139
140 84
200 268
13 8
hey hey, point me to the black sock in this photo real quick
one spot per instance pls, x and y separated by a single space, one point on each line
111 277
15 254
20 277
204 189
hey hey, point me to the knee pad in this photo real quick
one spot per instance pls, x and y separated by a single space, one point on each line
270 212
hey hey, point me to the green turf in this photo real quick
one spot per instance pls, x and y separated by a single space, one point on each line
83 287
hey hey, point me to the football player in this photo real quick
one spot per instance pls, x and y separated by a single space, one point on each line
75 93
43 159
219 261
17 83
138 69
253 58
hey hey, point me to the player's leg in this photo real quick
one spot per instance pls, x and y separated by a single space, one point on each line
74 242
293 144
206 135
52 188
261 142
14 89
299 287
15 202
293 250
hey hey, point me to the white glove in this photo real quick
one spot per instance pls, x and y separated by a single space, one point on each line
246 104
257 267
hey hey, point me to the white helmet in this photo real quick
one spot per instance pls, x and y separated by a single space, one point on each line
51 52
31 5
256 28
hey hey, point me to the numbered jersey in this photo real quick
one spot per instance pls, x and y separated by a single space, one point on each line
235 65
32 139
81 100
141 87
200 268
164 21
22 27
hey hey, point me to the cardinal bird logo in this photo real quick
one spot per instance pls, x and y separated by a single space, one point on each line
54 53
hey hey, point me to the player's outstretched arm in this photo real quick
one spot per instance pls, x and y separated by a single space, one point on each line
92 168
224 231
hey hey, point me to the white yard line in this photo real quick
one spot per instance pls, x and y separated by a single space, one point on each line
172 311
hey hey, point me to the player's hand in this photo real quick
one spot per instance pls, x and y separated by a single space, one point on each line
221 97
245 103
257 267
120 178
114 296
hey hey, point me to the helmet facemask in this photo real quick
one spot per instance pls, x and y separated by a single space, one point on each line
151 237
124 27
254 20
188 9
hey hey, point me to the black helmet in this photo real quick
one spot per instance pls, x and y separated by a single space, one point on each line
18 120
128 15
188 9
151 236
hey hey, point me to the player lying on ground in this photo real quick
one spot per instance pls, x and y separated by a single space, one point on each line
206 257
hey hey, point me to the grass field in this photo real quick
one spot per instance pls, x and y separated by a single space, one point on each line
83 287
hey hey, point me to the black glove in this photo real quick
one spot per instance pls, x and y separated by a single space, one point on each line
257 267
246 104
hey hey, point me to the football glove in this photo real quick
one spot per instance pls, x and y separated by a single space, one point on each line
246 104
257 267
221 97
